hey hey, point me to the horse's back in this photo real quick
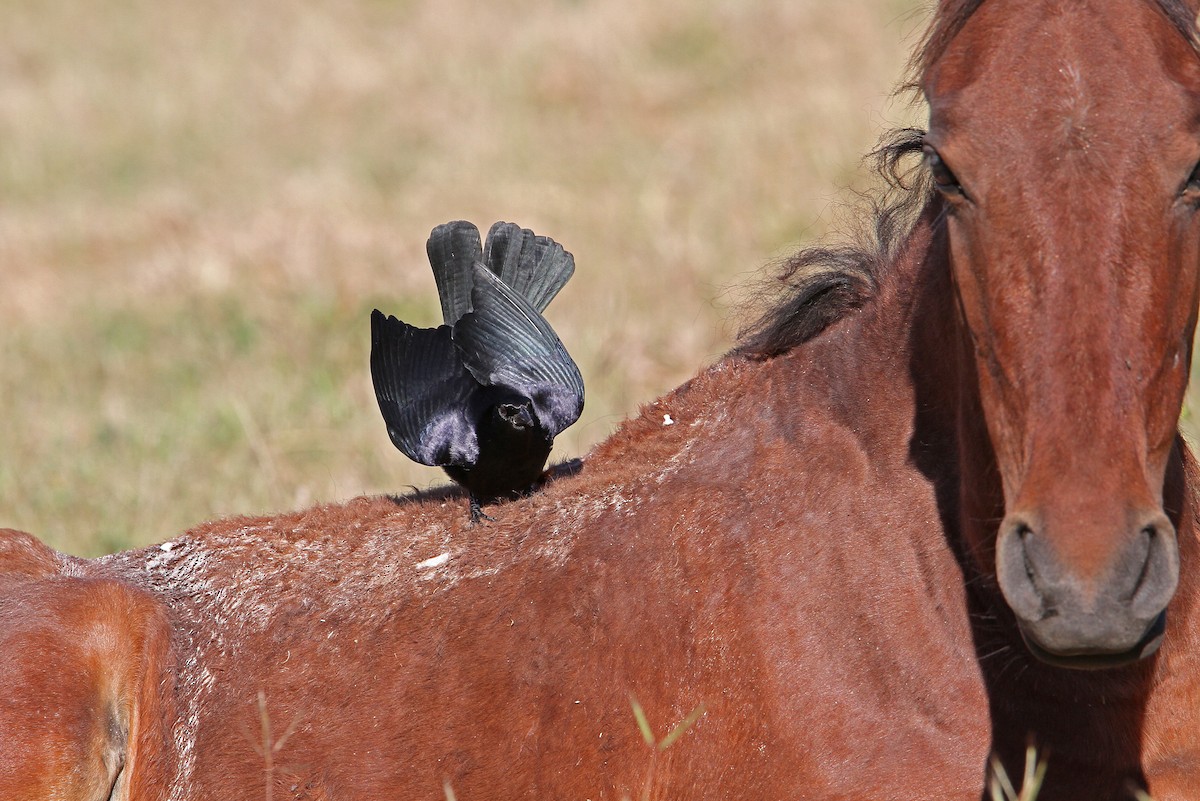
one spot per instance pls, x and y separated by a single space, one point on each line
385 647
81 661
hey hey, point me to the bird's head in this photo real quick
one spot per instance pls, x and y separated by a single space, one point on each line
517 415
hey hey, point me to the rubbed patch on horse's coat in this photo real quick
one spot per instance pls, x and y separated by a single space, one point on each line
176 564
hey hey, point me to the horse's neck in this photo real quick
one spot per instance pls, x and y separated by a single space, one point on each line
1180 502
919 312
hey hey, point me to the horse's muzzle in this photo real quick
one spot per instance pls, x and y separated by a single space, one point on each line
1070 618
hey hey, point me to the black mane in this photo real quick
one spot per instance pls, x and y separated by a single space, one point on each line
825 282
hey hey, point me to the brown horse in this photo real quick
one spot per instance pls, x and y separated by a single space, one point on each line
934 505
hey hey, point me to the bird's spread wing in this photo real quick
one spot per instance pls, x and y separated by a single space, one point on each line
504 341
424 392
535 266
453 248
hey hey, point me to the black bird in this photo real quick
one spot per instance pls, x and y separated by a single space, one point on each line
484 395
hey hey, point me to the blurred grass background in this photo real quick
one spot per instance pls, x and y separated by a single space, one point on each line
200 203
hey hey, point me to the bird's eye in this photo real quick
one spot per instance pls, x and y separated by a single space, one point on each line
943 177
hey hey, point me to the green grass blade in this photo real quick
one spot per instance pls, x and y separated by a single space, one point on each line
683 726
1000 787
643 724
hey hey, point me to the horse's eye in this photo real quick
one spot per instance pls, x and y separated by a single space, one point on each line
943 177
1191 190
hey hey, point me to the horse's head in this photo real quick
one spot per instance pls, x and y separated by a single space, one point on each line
1065 138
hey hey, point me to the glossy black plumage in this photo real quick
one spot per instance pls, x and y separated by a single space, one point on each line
484 394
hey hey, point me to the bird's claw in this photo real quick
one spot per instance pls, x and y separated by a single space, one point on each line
477 512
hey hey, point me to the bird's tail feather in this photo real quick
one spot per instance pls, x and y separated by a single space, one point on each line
453 248
535 266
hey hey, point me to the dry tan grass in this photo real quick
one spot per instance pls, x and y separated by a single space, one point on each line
203 201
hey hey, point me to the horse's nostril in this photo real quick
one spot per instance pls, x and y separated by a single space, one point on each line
1158 575
1023 533
1016 569
1140 554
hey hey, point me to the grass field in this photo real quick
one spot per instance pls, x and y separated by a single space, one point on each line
200 203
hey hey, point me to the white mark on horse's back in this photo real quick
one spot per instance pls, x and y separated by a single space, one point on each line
433 561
